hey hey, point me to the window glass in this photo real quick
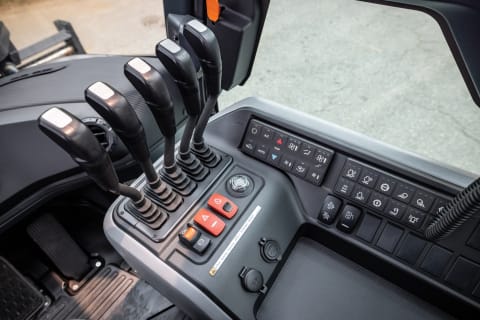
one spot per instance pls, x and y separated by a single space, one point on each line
103 26
385 72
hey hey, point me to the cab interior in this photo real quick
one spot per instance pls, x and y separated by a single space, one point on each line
127 193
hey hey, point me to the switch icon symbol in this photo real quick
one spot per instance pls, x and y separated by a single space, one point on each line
394 211
366 180
351 173
360 196
413 219
377 203
331 206
385 187
349 215
420 203
403 195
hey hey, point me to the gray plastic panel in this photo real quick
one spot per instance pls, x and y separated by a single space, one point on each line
317 283
287 202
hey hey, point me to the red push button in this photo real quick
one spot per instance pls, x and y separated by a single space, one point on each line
222 205
209 222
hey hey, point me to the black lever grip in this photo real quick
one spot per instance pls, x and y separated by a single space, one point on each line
180 65
78 141
118 112
151 85
205 45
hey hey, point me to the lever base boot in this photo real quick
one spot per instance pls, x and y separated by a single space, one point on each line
175 177
205 154
162 194
192 166
148 213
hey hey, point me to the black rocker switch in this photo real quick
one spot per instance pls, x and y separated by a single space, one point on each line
151 85
78 141
180 66
118 112
205 45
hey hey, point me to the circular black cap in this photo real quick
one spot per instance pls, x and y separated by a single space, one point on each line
252 279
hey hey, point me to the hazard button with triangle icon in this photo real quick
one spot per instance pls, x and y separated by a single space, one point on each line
209 221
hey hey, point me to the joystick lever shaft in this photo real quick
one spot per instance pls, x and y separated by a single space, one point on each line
151 85
118 112
78 141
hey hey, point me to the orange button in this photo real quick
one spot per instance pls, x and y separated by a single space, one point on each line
222 205
209 222
190 233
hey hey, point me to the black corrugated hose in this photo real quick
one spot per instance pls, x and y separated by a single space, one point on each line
456 212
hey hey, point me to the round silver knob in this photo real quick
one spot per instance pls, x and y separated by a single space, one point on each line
240 185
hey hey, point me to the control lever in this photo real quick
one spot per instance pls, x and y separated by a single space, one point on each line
205 45
151 85
78 141
180 65
118 112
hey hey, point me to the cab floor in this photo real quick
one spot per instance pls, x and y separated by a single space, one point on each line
113 291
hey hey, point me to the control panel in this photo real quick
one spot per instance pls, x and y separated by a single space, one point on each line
213 218
389 195
445 262
175 210
378 208
277 184
287 151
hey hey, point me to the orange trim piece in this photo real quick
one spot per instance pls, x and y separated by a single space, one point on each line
213 10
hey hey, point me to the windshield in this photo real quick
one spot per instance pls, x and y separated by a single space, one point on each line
385 72
103 26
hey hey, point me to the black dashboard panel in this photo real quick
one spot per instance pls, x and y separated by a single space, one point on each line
379 227
323 268
32 167
409 208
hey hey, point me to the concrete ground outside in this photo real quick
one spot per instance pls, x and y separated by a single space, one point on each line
385 72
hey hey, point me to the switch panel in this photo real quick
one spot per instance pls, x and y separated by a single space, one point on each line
391 196
217 204
287 152
192 238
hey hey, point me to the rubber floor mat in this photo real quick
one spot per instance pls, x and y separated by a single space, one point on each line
111 294
19 300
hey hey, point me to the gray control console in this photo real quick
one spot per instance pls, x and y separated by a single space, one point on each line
290 207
